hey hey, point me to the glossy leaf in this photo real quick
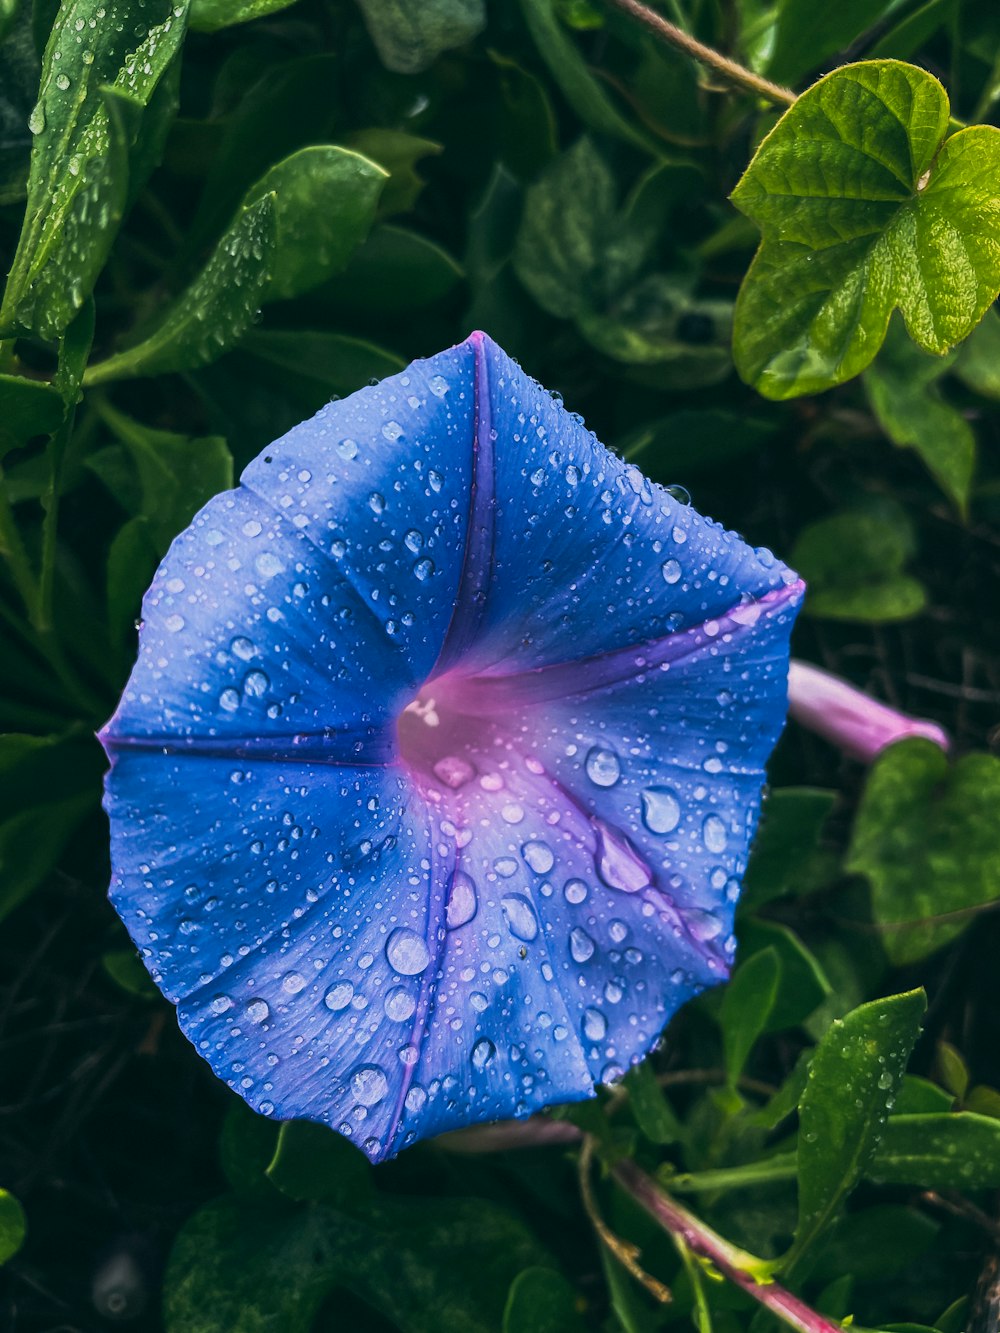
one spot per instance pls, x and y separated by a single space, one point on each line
788 857
93 92
213 15
853 1078
939 1151
746 1006
927 839
542 1301
27 408
854 564
409 35
865 205
13 1226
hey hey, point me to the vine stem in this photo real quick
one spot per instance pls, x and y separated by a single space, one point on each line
743 1270
728 69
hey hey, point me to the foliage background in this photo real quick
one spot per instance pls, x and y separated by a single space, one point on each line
551 174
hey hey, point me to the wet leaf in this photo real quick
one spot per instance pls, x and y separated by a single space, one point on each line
213 15
927 839
853 1078
865 205
939 1151
409 35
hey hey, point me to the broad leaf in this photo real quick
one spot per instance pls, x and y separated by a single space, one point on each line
854 565
939 1151
927 838
787 857
865 206
806 34
903 390
409 35
852 1082
746 1006
653 1113
542 1301
212 15
27 408
312 1162
88 117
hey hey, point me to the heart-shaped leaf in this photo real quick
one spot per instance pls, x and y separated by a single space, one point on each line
865 205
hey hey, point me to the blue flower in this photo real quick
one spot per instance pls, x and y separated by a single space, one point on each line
433 784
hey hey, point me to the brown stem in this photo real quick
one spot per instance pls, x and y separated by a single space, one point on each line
705 55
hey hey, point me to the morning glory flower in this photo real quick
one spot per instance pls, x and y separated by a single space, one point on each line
433 784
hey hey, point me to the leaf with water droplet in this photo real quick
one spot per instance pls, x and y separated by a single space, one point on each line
855 1071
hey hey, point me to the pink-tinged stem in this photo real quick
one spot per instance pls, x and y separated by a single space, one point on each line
843 715
742 1269
730 1261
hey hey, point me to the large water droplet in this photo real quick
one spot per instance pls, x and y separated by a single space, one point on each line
339 996
581 946
714 834
603 767
462 902
661 810
257 1011
671 571
618 863
595 1025
521 919
539 857
369 1084
454 771
407 952
482 1053
399 1004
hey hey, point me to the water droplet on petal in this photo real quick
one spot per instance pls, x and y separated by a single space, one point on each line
595 1025
714 834
454 771
521 919
258 1011
407 952
539 857
369 1084
581 946
462 902
399 1004
671 571
603 767
482 1053
618 863
661 810
339 996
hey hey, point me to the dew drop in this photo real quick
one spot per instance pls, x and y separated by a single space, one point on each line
482 1053
661 810
407 952
618 863
258 1011
595 1025
603 767
462 901
229 700
339 996
539 856
174 623
671 571
399 1004
454 771
581 946
521 919
293 982
714 834
256 684
369 1084
575 891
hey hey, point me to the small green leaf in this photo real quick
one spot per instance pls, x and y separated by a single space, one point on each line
214 311
409 35
395 272
397 153
855 1072
853 563
918 1096
312 366
906 399
746 1006
542 1301
942 1151
313 1162
585 94
952 1069
27 408
213 15
787 857
86 122
246 1147
125 968
806 36
13 1226
132 561
324 205
927 838
32 843
528 137
653 1113
864 206
875 1243
983 1100
802 987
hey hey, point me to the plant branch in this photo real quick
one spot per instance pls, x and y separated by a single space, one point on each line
730 70
624 1251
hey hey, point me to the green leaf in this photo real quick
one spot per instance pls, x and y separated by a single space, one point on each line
213 312
927 839
13 1226
746 1006
876 1243
32 844
855 1072
568 217
802 983
397 153
806 36
312 1162
324 205
395 272
246 1147
126 970
918 1096
978 361
261 1266
213 15
864 206
528 137
695 441
787 856
27 408
580 88
952 1069
853 563
409 35
132 560
653 1113
20 71
542 1301
312 366
907 402
939 1151
87 119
